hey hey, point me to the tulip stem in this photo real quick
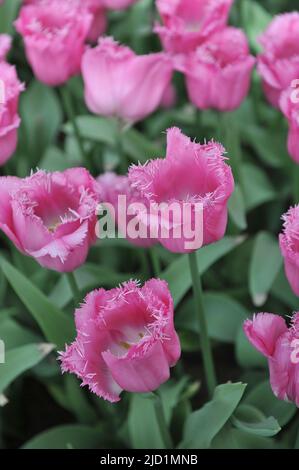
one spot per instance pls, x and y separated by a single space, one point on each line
74 287
160 416
204 338
68 106
155 261
123 163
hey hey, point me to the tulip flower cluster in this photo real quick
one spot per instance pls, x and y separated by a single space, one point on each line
125 337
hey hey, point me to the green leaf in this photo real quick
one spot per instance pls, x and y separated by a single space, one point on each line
249 419
178 275
257 187
138 147
88 277
170 394
95 128
236 208
247 356
204 424
143 426
41 118
57 327
281 290
19 360
224 317
67 437
255 19
8 13
54 160
232 438
265 264
263 398
15 335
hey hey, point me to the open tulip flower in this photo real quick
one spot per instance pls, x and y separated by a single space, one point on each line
54 34
191 173
289 247
270 335
187 23
125 340
50 216
218 73
10 89
289 105
122 84
278 64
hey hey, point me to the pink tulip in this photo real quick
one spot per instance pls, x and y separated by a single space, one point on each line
270 335
54 34
111 187
120 83
50 216
279 63
289 104
169 97
218 73
289 246
192 174
187 23
125 340
10 89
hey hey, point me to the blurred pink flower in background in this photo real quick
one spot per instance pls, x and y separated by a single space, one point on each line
289 246
125 339
111 186
190 173
117 4
10 89
218 73
289 105
187 23
120 83
270 335
50 216
54 34
278 65
169 97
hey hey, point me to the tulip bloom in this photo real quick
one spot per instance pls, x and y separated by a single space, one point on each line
125 339
51 216
218 73
270 335
289 105
118 4
120 83
193 177
10 89
289 246
54 34
187 23
278 65
111 187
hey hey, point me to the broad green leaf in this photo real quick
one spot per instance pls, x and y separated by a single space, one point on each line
255 19
143 426
281 290
41 118
67 437
236 209
78 401
88 277
15 335
19 360
170 394
232 438
138 147
57 327
269 146
257 187
246 355
224 317
265 264
250 419
8 13
95 128
177 274
54 160
204 424
263 398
